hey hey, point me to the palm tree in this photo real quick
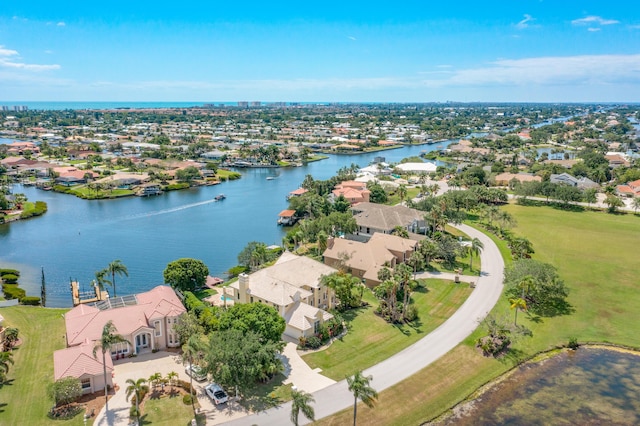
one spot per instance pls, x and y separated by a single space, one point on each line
402 192
171 377
518 303
6 358
154 379
191 350
101 279
635 204
359 386
107 341
474 250
116 268
10 337
138 388
301 402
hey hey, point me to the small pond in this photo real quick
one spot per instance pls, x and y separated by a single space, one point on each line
584 387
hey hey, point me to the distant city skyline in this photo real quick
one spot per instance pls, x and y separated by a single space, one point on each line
497 51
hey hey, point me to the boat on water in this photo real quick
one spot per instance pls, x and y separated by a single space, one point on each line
270 178
220 197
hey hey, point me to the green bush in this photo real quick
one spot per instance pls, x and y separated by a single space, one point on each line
187 399
12 291
10 279
134 412
175 186
4 272
30 300
314 342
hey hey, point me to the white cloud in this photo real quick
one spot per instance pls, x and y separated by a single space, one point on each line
61 24
590 20
7 52
525 22
352 38
558 70
8 60
593 30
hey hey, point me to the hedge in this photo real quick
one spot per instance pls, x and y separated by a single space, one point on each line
30 300
12 291
4 272
10 279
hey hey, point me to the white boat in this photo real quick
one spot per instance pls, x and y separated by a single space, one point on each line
270 178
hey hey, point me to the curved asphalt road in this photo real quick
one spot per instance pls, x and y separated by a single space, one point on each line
337 397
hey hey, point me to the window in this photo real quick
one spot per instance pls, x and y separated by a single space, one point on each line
120 348
156 325
316 327
86 384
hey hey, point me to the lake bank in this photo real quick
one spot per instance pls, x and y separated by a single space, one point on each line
75 238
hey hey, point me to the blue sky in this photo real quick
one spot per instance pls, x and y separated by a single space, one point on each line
410 51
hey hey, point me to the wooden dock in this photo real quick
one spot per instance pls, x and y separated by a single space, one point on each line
79 298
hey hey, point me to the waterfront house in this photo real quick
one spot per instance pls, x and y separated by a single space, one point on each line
353 191
364 260
287 217
293 287
145 320
372 218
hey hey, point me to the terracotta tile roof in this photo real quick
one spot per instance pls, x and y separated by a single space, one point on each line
78 361
298 191
86 322
287 213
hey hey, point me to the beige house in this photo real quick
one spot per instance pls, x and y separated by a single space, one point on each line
292 286
364 260
145 320
373 217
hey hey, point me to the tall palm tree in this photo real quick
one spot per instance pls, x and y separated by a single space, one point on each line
108 340
6 358
101 279
137 388
402 192
359 386
154 379
116 268
301 401
474 250
191 350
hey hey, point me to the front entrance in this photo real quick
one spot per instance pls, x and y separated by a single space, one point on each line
143 341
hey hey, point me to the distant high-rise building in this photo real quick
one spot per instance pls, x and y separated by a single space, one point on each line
243 104
255 103
5 108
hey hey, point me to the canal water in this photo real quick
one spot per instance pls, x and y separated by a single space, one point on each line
77 237
583 387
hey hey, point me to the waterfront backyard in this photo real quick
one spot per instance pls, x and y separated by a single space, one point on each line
594 253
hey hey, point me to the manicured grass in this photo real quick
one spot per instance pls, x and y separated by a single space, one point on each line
24 398
595 255
166 411
370 339
224 174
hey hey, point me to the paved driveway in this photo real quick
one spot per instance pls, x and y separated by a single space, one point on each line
337 397
143 366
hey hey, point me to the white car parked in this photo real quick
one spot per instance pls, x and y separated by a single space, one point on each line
196 372
216 393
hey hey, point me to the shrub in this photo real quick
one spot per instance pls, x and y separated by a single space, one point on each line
12 291
4 272
186 386
412 313
573 343
314 342
187 399
30 300
10 278
134 412
65 412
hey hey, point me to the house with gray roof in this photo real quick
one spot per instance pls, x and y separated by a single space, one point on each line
372 218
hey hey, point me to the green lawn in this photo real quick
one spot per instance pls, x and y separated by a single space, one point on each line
595 255
166 411
370 339
24 399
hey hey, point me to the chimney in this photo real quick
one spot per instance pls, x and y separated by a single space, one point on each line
330 241
243 286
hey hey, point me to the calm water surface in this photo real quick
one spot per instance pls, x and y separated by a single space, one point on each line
585 387
77 237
